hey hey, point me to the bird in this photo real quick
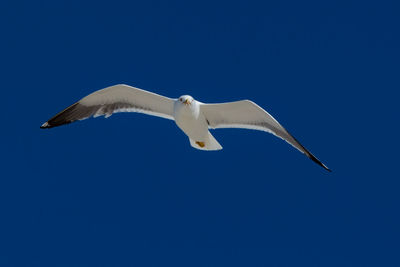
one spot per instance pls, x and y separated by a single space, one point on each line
193 117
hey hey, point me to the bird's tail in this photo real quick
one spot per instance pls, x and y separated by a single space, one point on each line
209 143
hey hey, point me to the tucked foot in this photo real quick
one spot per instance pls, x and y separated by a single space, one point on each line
200 144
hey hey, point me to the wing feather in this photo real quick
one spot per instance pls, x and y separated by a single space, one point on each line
247 114
113 99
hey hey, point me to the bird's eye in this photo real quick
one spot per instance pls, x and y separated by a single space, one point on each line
180 99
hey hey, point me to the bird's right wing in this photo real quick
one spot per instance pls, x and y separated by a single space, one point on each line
117 98
247 114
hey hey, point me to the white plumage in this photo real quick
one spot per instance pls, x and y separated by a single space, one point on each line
192 117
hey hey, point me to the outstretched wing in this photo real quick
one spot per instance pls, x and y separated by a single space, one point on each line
117 98
247 114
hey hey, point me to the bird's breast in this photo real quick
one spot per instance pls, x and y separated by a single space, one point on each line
192 123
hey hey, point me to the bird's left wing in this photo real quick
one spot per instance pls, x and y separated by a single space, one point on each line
247 114
117 98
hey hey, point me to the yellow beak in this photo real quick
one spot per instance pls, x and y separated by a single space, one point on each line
186 102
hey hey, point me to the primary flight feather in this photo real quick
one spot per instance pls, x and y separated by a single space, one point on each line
192 117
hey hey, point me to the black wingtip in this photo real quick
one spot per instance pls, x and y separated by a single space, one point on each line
313 158
326 168
45 125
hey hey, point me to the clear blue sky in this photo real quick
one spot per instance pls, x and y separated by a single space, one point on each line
130 191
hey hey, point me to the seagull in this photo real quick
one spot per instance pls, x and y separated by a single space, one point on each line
193 117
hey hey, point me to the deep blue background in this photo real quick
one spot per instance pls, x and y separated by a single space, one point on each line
130 191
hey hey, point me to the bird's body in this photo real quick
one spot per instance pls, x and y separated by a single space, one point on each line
193 123
190 120
192 117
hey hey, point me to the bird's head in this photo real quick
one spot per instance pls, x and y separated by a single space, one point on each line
186 99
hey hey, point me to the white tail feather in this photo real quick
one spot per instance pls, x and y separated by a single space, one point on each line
209 143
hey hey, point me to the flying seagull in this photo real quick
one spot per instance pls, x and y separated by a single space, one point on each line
194 118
